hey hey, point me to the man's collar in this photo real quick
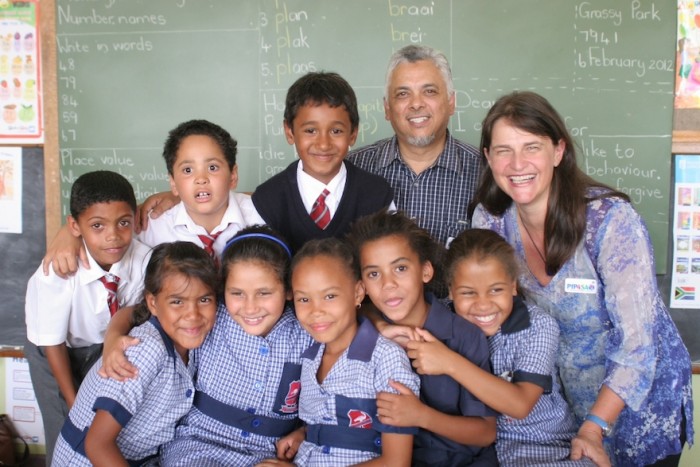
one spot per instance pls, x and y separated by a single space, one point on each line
392 152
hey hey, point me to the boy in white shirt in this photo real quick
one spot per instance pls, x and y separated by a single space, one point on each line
66 318
201 160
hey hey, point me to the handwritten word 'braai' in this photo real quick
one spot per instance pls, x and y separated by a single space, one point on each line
397 9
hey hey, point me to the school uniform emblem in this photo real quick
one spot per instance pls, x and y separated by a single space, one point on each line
291 400
359 419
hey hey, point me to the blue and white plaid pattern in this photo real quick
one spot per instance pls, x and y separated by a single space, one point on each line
242 371
529 353
438 198
155 400
352 378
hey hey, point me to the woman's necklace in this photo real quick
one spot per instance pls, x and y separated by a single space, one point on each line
529 235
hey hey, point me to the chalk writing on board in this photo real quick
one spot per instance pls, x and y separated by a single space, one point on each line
613 157
129 71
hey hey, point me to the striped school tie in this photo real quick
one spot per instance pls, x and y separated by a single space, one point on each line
319 211
208 241
111 282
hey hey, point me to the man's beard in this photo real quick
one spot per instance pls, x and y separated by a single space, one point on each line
421 141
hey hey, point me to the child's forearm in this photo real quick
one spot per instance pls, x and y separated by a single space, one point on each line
101 441
114 362
59 362
397 450
513 399
474 431
108 456
119 326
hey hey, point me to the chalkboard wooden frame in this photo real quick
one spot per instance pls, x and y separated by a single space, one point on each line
50 87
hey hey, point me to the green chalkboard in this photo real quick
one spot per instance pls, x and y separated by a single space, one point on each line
130 70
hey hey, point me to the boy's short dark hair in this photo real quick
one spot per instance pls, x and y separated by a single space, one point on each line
100 186
321 88
223 138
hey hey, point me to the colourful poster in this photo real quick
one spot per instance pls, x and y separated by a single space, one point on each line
20 401
20 73
685 279
11 189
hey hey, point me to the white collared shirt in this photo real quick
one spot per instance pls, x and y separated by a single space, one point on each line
176 224
74 310
310 188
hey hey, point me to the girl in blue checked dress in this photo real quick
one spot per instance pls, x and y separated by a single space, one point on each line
114 423
397 260
346 367
248 379
535 425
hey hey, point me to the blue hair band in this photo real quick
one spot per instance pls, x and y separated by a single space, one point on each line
259 235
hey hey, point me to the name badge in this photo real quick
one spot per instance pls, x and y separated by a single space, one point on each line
581 286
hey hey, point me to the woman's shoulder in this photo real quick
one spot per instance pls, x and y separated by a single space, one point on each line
483 219
605 207
603 199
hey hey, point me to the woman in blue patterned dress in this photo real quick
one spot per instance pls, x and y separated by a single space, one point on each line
587 260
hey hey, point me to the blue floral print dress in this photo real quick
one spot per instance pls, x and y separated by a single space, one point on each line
615 329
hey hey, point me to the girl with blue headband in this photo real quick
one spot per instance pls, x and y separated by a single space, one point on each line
247 386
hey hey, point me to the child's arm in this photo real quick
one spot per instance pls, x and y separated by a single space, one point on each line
275 463
101 441
405 409
397 450
288 445
114 362
63 253
59 362
397 333
153 207
432 357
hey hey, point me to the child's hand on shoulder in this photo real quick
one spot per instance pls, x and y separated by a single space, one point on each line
64 253
115 365
403 409
428 355
402 335
152 208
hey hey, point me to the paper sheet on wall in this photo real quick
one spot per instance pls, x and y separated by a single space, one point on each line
21 120
20 401
11 190
687 95
685 278
20 73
